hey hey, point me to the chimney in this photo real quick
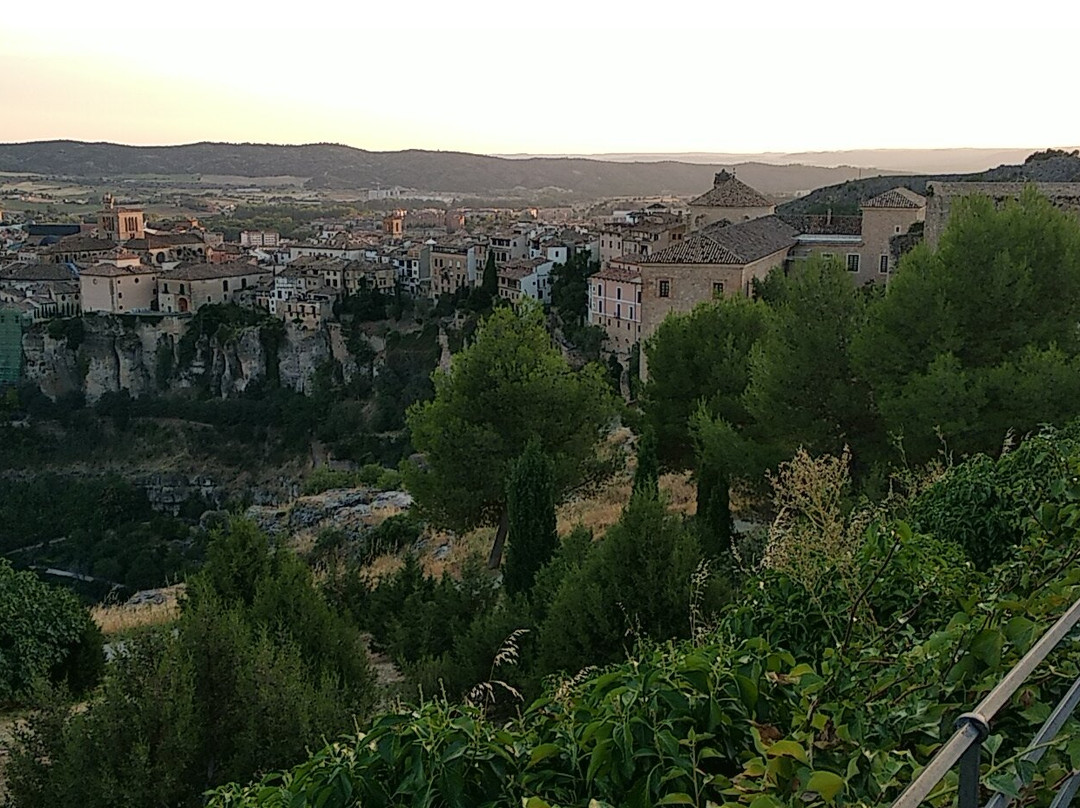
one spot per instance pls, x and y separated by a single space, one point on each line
828 217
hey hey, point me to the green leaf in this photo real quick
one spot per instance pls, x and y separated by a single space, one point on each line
787 749
748 691
827 784
533 802
987 646
676 799
543 752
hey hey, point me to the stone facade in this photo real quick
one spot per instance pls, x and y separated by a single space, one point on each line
940 195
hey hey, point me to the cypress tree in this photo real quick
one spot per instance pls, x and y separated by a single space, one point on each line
530 496
647 473
489 284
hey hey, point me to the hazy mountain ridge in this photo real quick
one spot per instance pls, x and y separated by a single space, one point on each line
336 166
894 161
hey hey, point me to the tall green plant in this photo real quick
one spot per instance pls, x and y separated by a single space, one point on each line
530 500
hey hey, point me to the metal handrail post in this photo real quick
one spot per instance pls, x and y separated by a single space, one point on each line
968 795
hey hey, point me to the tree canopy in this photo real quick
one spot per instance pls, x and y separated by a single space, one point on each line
510 386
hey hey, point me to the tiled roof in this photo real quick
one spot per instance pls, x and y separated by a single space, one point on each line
729 192
106 270
36 272
82 244
618 274
735 244
819 225
899 197
209 272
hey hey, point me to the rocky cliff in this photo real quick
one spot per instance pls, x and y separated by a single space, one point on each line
146 356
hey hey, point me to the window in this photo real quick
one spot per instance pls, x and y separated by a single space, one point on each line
883 264
181 288
618 311
853 262
224 286
600 289
828 256
618 293
639 295
601 309
663 288
631 312
119 294
718 289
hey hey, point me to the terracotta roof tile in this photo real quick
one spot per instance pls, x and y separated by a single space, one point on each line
899 197
735 244
729 192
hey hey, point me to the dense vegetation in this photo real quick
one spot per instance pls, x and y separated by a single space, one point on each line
974 341
832 678
103 527
258 669
46 636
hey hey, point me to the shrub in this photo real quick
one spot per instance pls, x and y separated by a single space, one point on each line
45 634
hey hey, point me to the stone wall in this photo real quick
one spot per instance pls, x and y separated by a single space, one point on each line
940 196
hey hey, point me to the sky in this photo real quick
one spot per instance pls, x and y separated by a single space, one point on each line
554 77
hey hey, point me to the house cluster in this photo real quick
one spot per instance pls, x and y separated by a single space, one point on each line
660 261
120 265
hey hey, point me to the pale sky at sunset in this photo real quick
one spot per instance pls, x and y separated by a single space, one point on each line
547 77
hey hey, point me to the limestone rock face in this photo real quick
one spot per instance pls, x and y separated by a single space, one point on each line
51 364
143 356
300 355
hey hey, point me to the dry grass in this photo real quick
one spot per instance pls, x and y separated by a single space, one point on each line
118 619
601 510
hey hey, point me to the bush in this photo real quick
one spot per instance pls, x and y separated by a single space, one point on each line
45 634
259 669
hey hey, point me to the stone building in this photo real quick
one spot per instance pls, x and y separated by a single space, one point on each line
729 200
120 225
189 287
865 245
117 288
615 306
940 196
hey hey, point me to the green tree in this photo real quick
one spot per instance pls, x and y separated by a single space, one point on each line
489 283
45 635
647 470
978 336
530 506
703 356
258 669
636 583
803 390
510 386
570 288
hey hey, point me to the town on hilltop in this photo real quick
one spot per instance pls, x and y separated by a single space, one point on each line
648 257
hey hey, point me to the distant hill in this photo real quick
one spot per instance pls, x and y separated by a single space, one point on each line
893 161
845 197
334 166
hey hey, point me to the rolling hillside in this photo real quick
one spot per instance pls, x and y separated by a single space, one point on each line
335 166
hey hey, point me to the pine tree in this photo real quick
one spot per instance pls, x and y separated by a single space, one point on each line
530 493
489 284
647 473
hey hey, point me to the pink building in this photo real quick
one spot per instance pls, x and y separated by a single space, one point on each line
615 305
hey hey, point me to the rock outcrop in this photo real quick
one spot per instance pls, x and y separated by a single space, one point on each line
142 356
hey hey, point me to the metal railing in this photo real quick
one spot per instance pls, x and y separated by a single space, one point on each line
965 745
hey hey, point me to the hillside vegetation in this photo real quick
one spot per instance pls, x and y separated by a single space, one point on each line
334 166
1048 166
